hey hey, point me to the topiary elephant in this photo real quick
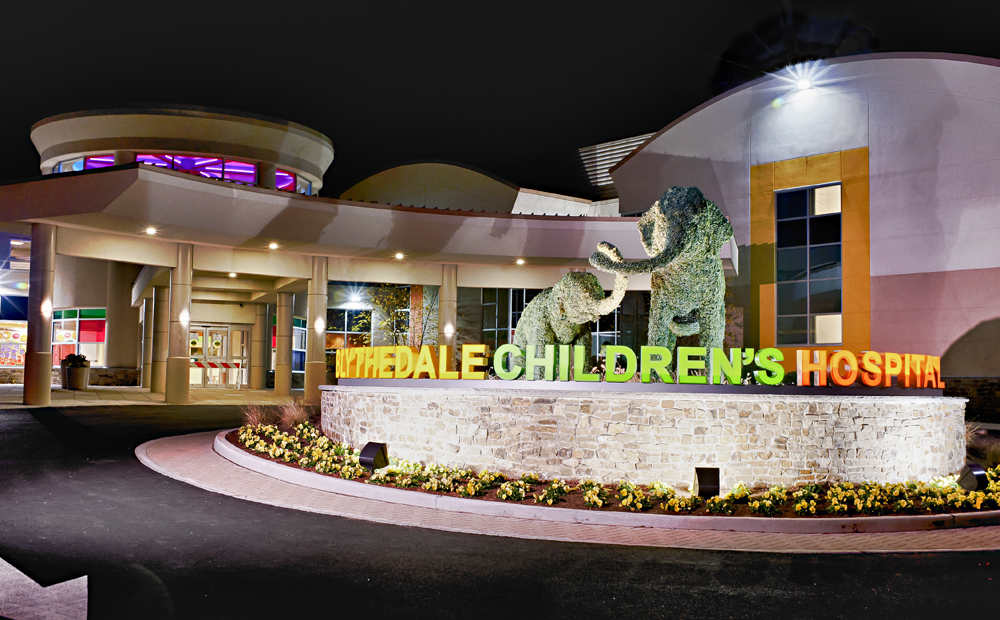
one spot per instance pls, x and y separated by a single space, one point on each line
561 314
683 233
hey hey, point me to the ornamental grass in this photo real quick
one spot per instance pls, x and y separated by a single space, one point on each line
307 448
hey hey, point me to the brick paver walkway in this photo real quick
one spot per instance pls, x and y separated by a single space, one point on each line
191 458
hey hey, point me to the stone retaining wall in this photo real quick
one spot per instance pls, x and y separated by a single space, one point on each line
657 436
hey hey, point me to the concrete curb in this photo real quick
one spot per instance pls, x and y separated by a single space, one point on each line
301 477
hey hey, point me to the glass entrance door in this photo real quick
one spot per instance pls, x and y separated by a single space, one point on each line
220 356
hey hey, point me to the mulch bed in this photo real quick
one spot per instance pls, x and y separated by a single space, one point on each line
575 500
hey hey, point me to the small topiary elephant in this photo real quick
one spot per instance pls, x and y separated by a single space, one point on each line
683 232
561 314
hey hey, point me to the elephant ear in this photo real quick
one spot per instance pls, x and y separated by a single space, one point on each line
715 227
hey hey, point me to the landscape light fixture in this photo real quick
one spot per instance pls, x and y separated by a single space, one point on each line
150 231
973 478
273 245
706 482
374 456
399 256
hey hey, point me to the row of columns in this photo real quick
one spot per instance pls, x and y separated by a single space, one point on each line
166 318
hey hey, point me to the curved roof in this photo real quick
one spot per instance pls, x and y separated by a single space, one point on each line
436 186
184 129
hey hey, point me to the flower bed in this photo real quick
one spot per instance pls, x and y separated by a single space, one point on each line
305 447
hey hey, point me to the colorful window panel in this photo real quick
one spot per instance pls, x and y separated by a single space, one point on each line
285 181
91 330
208 167
98 161
241 172
160 161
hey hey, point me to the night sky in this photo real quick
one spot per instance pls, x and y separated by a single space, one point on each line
509 88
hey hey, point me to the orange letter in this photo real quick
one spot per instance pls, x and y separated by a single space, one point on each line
470 360
893 365
804 367
852 367
932 372
871 368
426 363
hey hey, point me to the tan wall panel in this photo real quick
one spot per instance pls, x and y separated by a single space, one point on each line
812 170
854 164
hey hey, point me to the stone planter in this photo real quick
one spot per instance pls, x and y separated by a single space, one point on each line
75 377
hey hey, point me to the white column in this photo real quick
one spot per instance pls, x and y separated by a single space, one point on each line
122 332
161 336
147 343
283 346
259 337
179 350
266 175
316 329
448 309
124 157
41 284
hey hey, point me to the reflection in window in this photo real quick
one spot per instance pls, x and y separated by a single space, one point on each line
808 266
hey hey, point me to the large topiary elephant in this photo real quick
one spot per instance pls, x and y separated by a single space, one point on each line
561 314
683 232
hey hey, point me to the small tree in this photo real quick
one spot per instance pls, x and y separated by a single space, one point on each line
392 303
426 317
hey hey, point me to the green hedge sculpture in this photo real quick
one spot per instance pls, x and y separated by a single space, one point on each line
683 233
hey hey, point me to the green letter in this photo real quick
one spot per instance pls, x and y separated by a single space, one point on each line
548 361
498 362
732 366
767 360
564 362
579 373
661 366
609 364
685 363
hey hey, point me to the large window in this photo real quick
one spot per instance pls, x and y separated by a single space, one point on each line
347 328
808 266
496 317
80 331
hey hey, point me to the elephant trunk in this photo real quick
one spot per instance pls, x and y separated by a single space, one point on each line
609 303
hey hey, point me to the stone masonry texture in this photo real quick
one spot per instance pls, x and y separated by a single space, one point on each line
756 439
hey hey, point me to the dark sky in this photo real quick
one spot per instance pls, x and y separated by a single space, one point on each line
514 89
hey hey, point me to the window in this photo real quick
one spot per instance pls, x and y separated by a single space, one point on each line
808 266
347 328
604 331
79 331
496 317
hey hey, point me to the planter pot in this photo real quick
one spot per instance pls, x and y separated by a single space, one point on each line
76 378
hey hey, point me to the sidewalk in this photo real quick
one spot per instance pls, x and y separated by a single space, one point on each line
192 459
12 396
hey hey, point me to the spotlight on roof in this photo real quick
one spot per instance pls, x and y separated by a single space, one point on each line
232 275
150 231
399 256
273 246
519 261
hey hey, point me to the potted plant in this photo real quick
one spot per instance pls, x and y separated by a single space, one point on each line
75 371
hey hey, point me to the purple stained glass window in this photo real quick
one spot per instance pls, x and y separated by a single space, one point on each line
241 172
208 167
285 181
100 161
160 161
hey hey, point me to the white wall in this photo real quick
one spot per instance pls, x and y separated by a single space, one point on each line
80 283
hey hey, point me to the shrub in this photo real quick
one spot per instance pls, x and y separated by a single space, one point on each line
631 497
552 493
594 493
514 491
292 414
254 414
720 506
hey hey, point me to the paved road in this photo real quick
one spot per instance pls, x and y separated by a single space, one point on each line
74 501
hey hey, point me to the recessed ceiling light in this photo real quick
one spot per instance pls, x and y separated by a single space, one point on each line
399 256
273 246
150 231
520 261
804 84
16 242
232 275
